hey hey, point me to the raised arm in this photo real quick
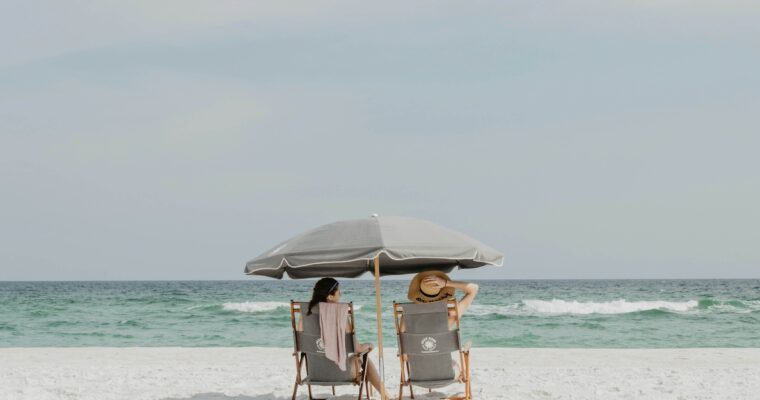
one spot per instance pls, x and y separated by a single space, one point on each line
470 291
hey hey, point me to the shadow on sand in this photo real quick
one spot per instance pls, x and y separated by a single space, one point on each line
220 396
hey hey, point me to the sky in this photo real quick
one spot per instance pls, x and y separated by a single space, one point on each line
179 139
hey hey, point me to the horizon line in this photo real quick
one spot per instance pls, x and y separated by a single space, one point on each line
367 279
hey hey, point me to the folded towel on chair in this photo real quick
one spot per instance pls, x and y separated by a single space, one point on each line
332 323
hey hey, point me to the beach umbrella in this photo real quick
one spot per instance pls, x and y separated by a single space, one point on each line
379 245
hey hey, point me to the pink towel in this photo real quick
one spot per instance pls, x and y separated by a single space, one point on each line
332 323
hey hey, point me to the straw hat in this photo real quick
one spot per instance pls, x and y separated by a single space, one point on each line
419 292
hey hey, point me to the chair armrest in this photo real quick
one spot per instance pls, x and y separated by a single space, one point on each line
467 346
369 350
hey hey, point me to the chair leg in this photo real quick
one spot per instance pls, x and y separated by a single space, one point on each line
298 375
409 377
469 378
365 383
402 378
311 397
361 387
333 390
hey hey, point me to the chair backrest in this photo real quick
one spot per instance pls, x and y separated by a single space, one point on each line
426 340
309 342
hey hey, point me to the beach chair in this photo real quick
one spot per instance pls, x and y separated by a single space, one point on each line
426 345
309 353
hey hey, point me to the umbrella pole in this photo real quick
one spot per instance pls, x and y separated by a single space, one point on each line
381 363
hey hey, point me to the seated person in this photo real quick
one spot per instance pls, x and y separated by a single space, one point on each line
327 290
430 286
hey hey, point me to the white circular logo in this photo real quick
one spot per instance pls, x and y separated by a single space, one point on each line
429 344
320 345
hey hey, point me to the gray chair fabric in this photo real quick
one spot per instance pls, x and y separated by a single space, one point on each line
428 344
320 370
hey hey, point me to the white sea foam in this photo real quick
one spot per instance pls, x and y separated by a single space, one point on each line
491 309
255 306
262 306
621 306
753 304
737 306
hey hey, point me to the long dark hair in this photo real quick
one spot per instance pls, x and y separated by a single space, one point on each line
323 288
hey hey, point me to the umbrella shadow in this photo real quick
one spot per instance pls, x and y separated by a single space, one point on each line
221 396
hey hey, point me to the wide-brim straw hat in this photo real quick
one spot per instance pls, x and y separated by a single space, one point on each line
418 296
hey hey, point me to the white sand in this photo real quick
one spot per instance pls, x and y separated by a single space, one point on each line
267 374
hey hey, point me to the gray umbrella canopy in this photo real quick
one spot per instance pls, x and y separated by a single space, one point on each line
347 249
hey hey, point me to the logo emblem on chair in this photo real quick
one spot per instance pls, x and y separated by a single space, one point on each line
429 345
320 345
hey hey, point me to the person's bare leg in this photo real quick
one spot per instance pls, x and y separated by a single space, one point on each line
372 375
374 378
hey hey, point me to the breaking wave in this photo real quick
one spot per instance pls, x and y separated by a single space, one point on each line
262 306
255 306
611 307
556 307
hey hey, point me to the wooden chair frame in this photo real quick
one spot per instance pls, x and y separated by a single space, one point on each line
302 360
464 354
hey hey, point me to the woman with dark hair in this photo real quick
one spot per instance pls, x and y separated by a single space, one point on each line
327 290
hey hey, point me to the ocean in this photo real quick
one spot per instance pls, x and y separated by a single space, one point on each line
506 313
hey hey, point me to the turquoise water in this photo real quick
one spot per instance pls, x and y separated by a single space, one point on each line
542 313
